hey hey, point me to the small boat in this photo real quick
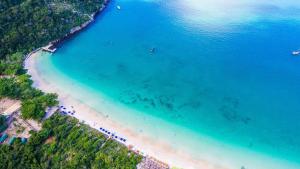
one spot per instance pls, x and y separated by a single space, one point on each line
118 7
296 52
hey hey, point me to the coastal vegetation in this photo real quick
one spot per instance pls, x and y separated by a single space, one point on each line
12 65
34 101
26 25
63 142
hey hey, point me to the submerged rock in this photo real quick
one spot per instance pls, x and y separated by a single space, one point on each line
152 50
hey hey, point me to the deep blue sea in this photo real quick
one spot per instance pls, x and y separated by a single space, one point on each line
222 69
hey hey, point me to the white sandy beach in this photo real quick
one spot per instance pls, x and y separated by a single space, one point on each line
146 145
185 150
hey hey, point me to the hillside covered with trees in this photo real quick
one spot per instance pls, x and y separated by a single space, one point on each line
29 24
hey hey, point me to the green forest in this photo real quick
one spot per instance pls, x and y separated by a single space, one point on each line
63 142
28 24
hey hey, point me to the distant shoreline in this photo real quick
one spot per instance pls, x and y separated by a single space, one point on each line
56 43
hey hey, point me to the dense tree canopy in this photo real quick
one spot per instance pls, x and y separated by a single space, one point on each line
12 64
29 24
65 143
34 101
35 108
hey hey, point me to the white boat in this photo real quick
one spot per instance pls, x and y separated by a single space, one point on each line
295 52
118 7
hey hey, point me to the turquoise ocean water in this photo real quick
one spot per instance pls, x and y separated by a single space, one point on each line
222 70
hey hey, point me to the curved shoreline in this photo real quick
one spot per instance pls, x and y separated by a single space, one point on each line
96 119
212 155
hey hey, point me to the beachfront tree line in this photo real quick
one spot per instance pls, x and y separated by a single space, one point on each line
65 143
34 101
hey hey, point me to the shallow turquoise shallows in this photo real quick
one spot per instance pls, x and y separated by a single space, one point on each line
220 70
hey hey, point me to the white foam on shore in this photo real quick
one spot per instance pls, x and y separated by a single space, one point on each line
153 136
